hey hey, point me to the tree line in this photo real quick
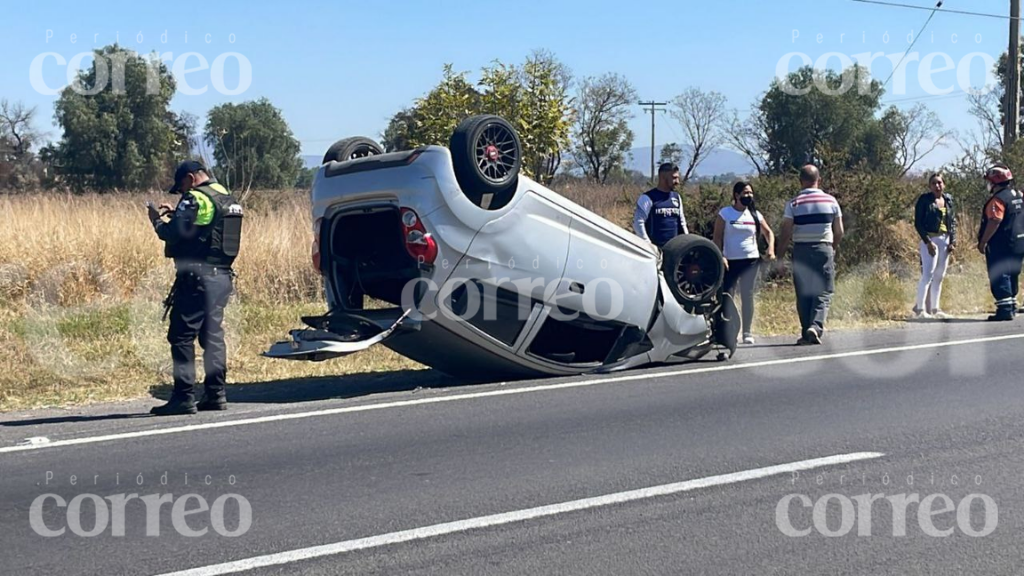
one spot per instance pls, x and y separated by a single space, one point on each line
570 127
130 139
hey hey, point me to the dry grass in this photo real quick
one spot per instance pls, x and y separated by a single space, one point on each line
82 278
875 297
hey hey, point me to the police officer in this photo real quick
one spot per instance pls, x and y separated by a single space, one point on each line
1001 240
202 235
659 215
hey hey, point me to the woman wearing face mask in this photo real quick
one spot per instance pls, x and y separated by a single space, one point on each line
737 228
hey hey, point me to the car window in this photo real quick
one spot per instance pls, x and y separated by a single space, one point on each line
495 311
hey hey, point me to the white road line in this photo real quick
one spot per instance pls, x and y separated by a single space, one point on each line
491 393
519 516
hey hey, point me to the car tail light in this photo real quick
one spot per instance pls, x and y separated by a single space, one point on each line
418 242
316 245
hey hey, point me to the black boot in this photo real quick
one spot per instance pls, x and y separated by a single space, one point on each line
1002 315
176 406
213 402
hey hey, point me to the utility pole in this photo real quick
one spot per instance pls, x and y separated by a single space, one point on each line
653 107
1013 77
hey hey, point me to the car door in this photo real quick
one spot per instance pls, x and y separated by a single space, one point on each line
607 275
512 266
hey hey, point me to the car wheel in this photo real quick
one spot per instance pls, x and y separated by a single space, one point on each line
486 156
351 149
694 271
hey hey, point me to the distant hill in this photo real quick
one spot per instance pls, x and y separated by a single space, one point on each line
719 162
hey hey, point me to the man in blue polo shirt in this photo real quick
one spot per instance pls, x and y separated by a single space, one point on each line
659 212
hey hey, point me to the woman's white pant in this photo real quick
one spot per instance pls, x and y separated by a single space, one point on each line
933 270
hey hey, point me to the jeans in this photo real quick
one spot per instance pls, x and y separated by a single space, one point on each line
933 271
814 276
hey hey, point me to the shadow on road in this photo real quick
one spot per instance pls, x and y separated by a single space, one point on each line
70 419
743 347
927 321
294 390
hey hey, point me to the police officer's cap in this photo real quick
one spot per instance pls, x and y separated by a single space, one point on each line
186 167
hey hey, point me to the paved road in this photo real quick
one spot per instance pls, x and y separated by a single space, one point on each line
366 460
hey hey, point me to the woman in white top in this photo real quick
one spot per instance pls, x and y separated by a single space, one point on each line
736 231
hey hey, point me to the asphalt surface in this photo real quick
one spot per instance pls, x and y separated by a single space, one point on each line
949 415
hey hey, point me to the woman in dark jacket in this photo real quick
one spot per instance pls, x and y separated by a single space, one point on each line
935 222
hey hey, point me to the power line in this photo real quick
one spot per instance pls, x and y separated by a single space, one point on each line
946 11
930 98
679 139
916 38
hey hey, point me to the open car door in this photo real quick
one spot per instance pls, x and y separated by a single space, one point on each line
341 334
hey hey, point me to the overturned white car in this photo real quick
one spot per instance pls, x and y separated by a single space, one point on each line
487 274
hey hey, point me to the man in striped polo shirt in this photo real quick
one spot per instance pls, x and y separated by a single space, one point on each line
814 222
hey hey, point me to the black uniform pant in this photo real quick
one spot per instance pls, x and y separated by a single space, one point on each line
814 277
1004 267
743 273
197 310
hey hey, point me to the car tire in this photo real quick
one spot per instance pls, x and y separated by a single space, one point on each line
352 149
694 271
486 156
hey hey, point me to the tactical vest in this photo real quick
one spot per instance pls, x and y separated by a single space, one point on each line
1010 235
216 243
665 218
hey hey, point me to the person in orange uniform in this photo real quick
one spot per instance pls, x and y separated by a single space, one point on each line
1001 240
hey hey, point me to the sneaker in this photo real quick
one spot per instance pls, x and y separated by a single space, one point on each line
802 342
812 336
940 315
175 407
921 315
748 339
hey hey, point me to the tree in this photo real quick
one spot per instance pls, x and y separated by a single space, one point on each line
544 115
797 122
400 133
702 116
670 153
601 134
304 180
253 146
118 132
440 111
748 137
986 107
533 98
185 127
18 165
913 134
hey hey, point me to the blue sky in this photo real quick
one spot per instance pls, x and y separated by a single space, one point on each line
342 68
